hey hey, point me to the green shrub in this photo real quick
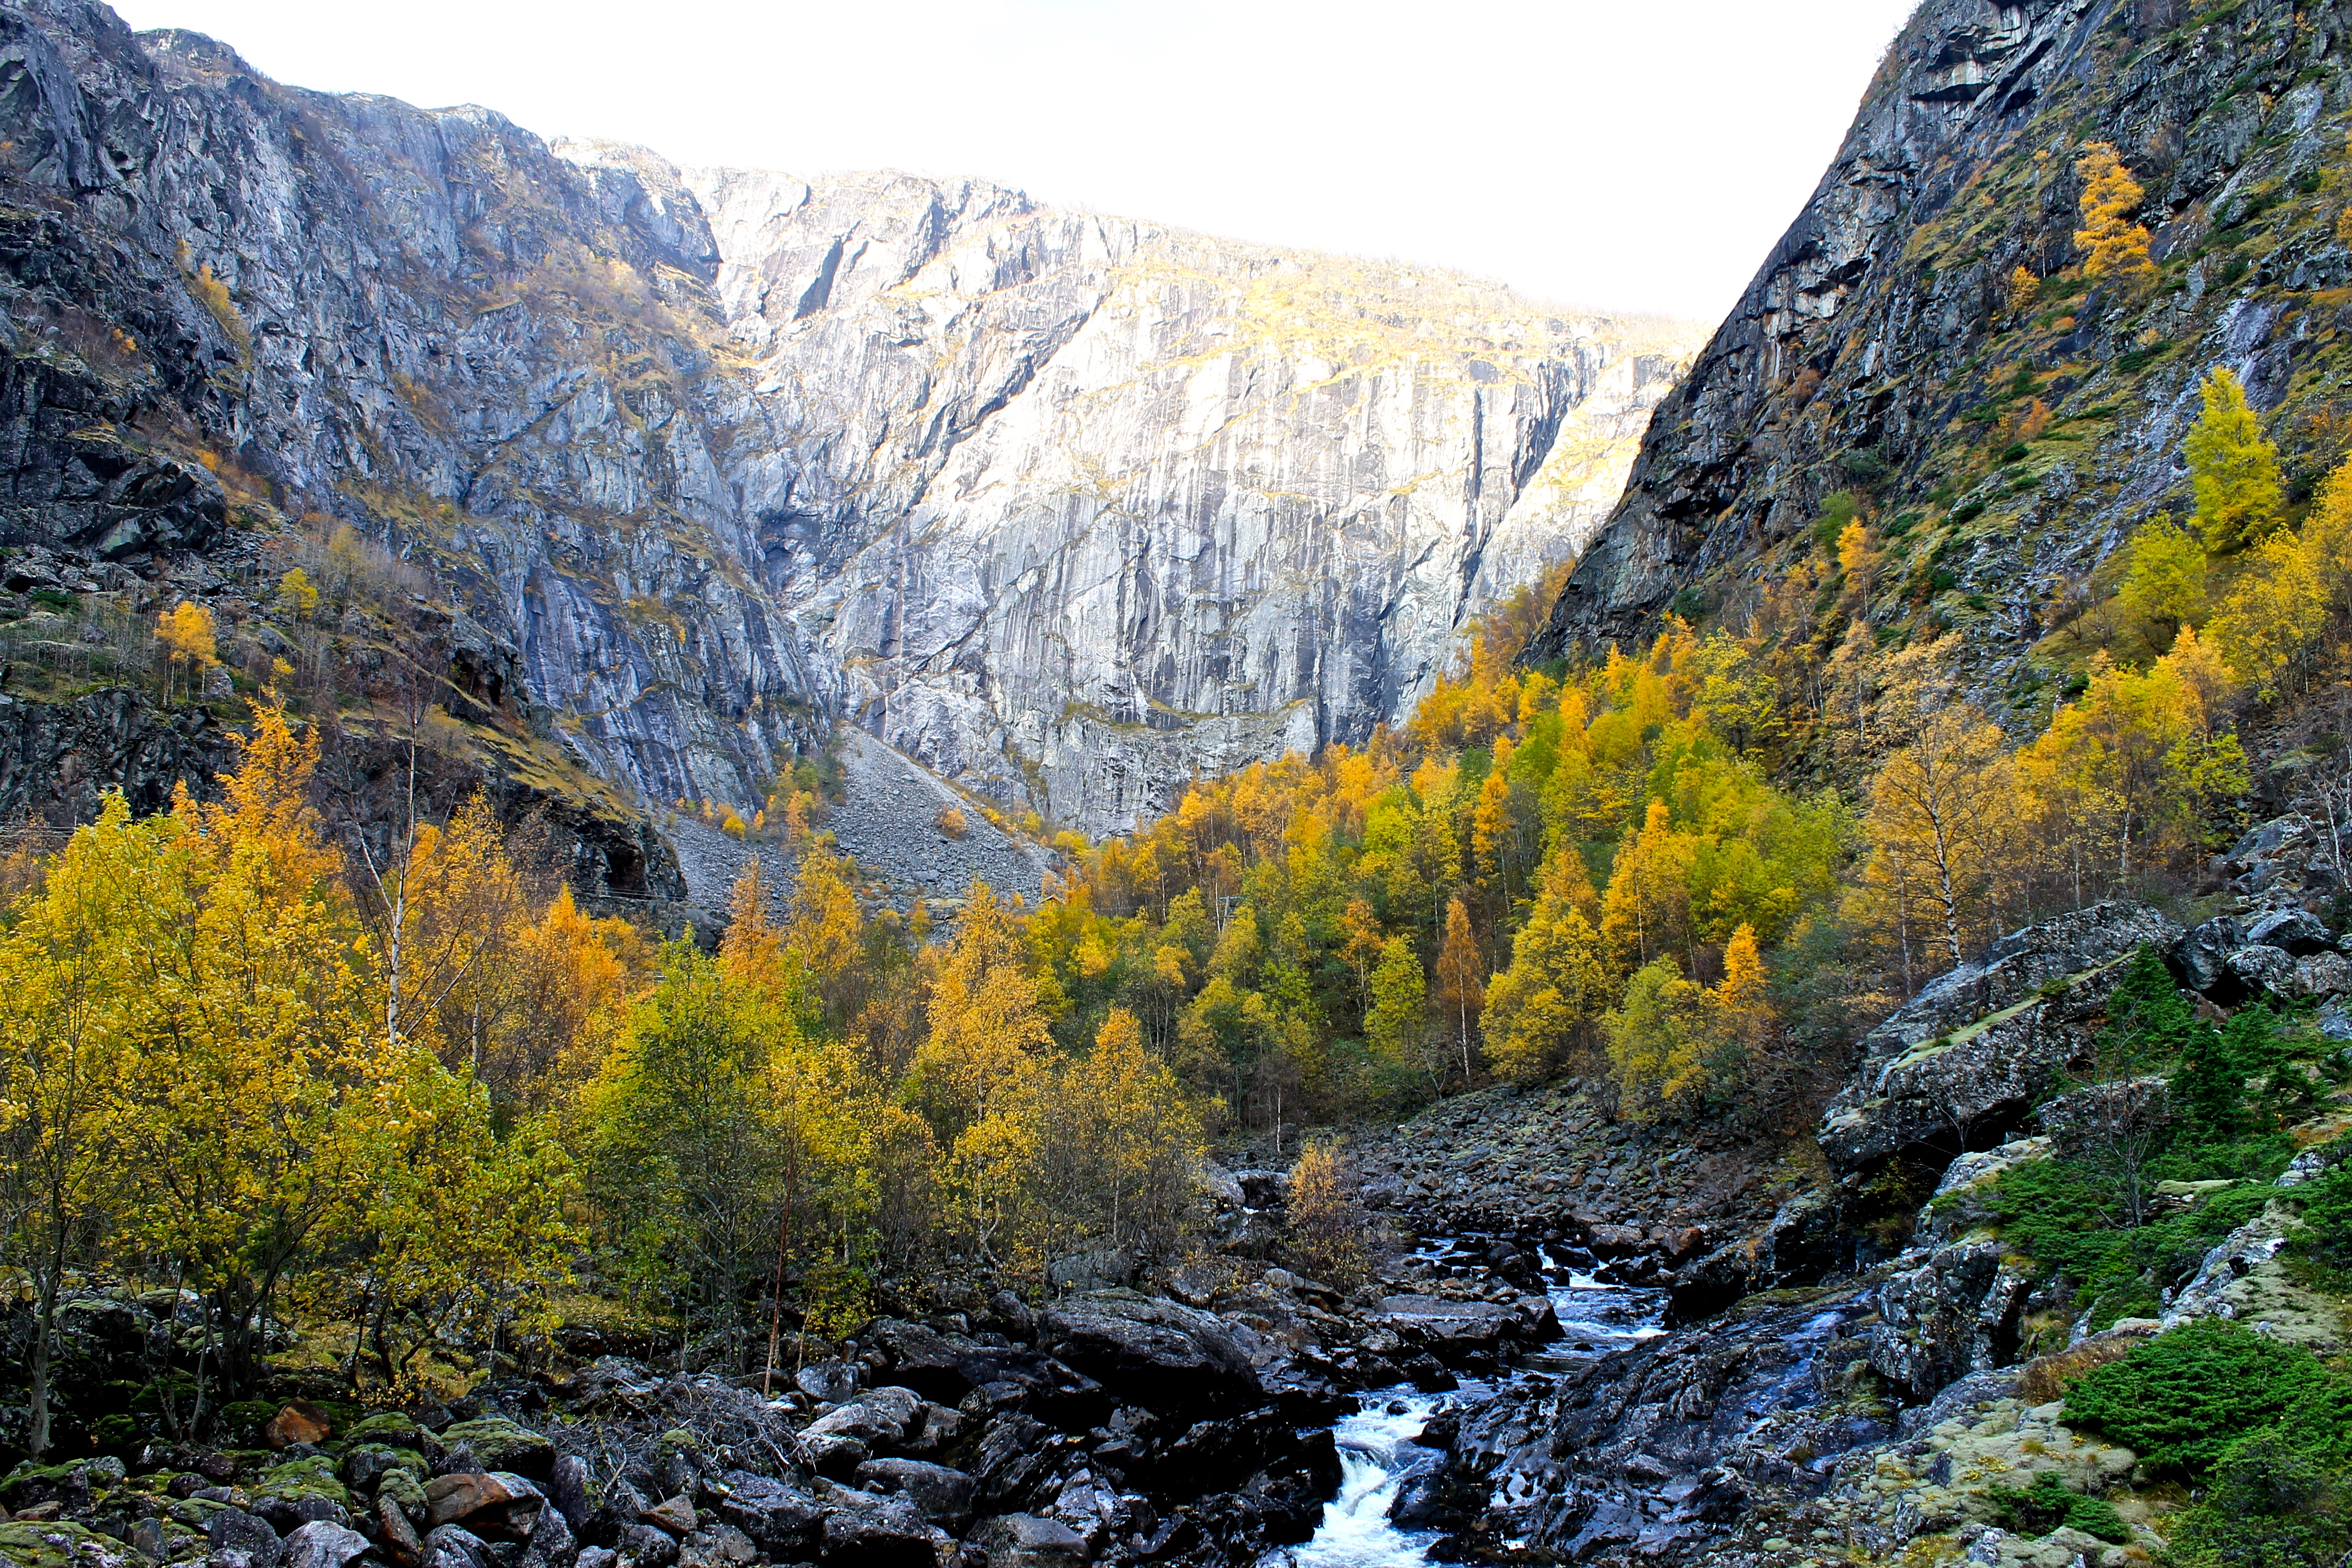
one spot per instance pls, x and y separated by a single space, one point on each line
2181 1398
2137 360
1866 466
2324 1246
1838 509
2277 1500
2047 1504
1967 512
2016 453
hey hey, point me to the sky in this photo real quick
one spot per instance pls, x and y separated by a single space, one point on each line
1583 152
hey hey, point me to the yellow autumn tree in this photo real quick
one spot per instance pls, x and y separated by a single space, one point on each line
753 949
2270 621
2164 580
2023 288
1857 553
66 1003
574 975
1646 910
976 1065
1739 1006
2234 470
1326 1226
822 925
1556 983
1461 979
2112 244
186 635
266 1100
2274 620
297 596
443 905
1937 827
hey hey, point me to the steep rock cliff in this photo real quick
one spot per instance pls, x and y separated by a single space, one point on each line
1067 507
1882 349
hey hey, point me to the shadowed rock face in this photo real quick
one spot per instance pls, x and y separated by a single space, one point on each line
1064 506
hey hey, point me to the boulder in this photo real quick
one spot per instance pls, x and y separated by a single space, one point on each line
365 1465
60 1543
394 1431
831 1382
879 1418
2297 930
1152 1352
1954 1312
455 1546
1961 1063
567 1488
241 1540
946 1367
300 1491
503 1444
647 1546
2321 974
298 1421
400 1539
862 1530
2201 959
834 1456
1013 1458
1616 1240
1451 1330
319 1544
1025 1541
782 1520
497 1505
553 1545
941 1495
675 1515
2255 969
722 1546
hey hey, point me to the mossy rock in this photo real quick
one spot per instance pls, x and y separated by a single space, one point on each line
195 1512
312 1478
503 1444
182 1544
365 1465
61 1545
405 1490
30 1483
391 1429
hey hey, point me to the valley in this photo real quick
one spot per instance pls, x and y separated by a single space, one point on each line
705 867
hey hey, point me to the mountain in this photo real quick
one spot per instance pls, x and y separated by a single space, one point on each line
1887 349
1066 507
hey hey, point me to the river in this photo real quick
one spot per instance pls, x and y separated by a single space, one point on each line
1378 1454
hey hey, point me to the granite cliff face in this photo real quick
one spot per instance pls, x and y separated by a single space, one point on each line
1066 506
1881 348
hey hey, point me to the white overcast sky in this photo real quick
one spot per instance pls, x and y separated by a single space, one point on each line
1589 152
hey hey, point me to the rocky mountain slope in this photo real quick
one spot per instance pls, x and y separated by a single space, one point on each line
1884 349
1066 506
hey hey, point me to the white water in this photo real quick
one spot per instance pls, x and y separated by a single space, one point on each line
1377 1455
